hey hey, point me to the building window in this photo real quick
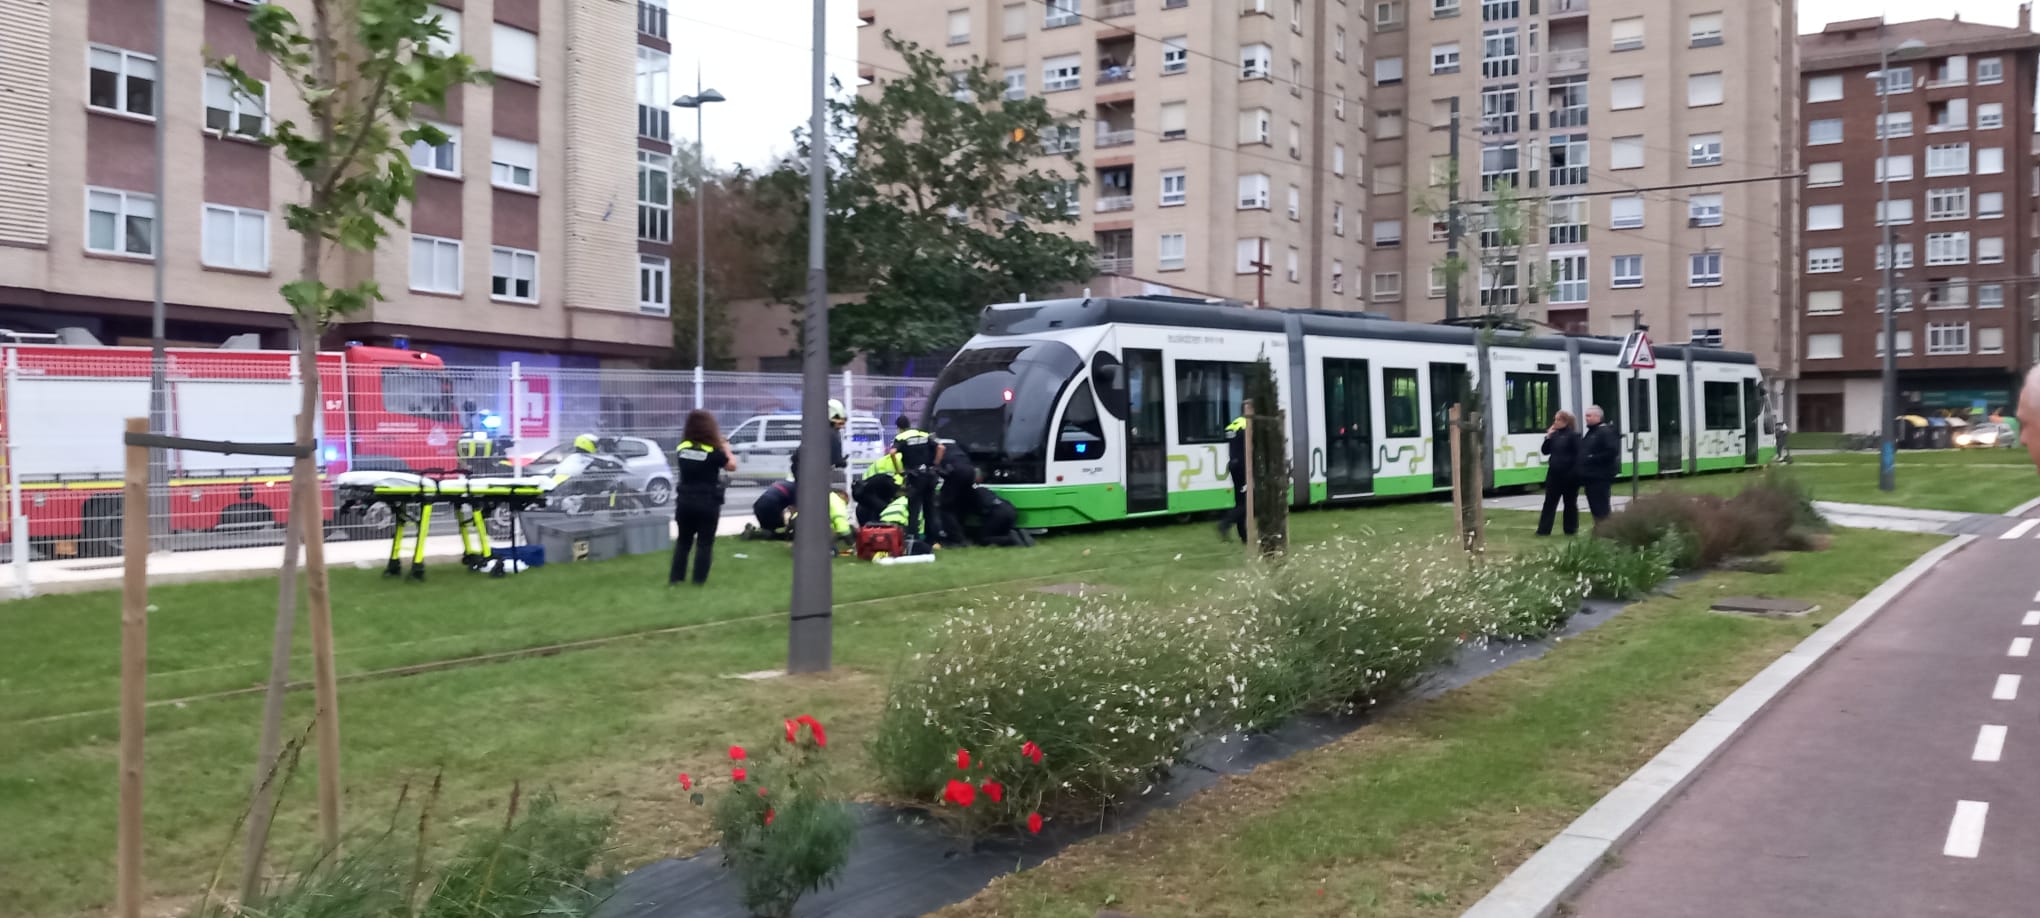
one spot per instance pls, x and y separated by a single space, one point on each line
1990 70
1627 93
1703 150
1894 124
1170 251
1254 191
1823 131
1990 250
1013 19
1498 110
230 110
1254 125
1947 159
1338 219
1388 14
1905 256
1063 73
1388 71
1990 340
1947 338
1823 89
1388 179
1568 157
1338 275
1625 212
1900 212
1947 248
1339 101
435 264
1824 216
1704 270
1339 42
1625 152
1436 284
1824 260
1440 9
1339 159
1059 13
1498 162
1826 346
1948 115
513 164
1947 204
120 222
1704 30
1387 287
1295 203
1947 293
1990 160
1175 120
449 22
1498 284
236 237
1625 271
1896 80
1990 296
1568 101
1499 53
1824 303
121 81
1990 204
1445 58
1704 210
1175 54
1062 138
655 197
1388 124
651 17
1905 299
655 287
513 275
1905 347
1245 253
1703 89
1387 234
1895 168
1500 10
1015 79
1823 174
1567 223
514 53
1569 278
1990 116
1291 264
959 27
1256 62
1951 71
442 159
1626 34
654 101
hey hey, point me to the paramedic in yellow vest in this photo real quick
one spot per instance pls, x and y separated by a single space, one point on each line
919 451
881 483
839 519
699 461
1236 466
585 443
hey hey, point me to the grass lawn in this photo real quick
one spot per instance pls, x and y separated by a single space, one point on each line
1977 481
1424 812
609 725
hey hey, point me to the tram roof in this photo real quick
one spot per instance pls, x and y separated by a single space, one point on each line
1038 316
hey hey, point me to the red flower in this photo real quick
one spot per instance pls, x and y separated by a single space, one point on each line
686 783
789 731
736 753
761 792
960 793
1034 823
768 817
814 726
1031 752
963 759
737 774
994 790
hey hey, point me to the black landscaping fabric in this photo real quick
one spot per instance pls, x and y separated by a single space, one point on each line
905 864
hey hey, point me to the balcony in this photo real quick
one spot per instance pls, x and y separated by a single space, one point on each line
1566 9
1111 138
1114 203
1570 60
1115 189
1114 9
1115 264
1115 60
1115 252
1115 125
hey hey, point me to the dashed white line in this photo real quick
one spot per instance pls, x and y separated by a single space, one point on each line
1990 744
1965 831
2032 618
2020 647
2020 530
2007 688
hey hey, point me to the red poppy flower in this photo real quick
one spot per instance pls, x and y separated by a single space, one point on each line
686 783
1031 752
768 817
736 753
1034 823
761 792
789 731
737 774
994 790
960 793
963 759
814 726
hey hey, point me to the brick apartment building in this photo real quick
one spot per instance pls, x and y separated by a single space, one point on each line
521 245
1962 187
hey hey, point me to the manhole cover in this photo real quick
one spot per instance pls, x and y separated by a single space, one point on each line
1072 589
1764 607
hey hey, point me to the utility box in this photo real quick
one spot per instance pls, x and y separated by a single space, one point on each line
647 534
569 539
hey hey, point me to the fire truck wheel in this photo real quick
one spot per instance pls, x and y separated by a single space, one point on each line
100 528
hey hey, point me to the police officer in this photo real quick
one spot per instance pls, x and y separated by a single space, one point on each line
1236 466
701 458
996 518
770 509
919 451
958 495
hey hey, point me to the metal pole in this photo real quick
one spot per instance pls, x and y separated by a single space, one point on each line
159 421
808 635
700 239
23 586
1452 212
1887 465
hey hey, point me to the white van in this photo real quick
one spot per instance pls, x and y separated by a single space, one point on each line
764 444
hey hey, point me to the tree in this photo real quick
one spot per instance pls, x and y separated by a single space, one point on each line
1270 474
360 71
739 218
948 197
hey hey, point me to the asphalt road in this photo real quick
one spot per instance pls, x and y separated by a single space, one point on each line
1899 778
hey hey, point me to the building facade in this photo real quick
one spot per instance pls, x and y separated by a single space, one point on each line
1959 174
515 247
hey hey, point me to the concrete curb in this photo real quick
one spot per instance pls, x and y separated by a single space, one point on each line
2021 509
1565 864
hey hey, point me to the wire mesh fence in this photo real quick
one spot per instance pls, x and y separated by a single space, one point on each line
62 410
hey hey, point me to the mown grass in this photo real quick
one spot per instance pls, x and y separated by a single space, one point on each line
1422 813
1973 481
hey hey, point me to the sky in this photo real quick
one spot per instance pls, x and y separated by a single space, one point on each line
758 54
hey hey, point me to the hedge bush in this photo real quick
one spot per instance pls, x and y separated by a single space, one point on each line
1775 513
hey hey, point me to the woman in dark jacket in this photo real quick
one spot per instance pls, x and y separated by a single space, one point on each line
1561 473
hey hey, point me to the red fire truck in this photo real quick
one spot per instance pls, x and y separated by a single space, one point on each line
62 409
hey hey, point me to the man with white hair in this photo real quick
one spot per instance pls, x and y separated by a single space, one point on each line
2029 415
1600 461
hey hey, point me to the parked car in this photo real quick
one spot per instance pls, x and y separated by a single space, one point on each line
641 466
1983 435
764 444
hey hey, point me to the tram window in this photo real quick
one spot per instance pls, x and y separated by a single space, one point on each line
1607 386
1721 405
1400 406
1639 396
1080 436
1532 398
1208 397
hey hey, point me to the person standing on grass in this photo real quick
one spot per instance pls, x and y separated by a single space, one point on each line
1236 468
701 458
1561 473
1600 461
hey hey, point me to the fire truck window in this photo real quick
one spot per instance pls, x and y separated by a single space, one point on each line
418 393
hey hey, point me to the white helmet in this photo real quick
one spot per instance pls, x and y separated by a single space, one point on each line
836 412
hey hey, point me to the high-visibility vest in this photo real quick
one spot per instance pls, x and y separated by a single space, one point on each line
839 514
888 464
895 512
585 443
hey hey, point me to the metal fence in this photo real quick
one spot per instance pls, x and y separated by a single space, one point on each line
62 410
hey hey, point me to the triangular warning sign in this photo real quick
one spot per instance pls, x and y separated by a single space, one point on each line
1636 354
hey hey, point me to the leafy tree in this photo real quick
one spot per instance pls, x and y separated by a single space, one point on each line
738 217
946 198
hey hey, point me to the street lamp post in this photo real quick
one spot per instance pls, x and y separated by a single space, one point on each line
1887 463
700 99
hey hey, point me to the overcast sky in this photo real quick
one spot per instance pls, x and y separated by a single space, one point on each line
758 53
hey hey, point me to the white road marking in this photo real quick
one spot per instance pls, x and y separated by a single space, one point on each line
2020 530
2020 647
2032 618
1990 743
2007 688
1965 831
2036 596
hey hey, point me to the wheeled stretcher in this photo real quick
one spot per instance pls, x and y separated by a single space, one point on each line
411 497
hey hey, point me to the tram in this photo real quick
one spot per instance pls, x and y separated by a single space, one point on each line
1088 410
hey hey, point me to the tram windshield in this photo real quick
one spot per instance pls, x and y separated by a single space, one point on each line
996 402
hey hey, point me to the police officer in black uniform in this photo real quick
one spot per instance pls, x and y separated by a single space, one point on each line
919 451
958 496
1236 466
701 458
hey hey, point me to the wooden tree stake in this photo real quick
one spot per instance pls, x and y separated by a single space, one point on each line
1253 531
134 660
1458 499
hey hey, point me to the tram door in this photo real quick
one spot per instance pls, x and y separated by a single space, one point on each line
1671 425
1349 429
1147 441
1752 407
1449 386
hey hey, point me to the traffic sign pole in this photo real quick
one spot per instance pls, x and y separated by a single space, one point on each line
1636 356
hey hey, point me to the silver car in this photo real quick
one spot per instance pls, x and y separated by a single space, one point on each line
641 466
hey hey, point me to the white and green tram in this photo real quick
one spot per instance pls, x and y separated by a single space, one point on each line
1088 410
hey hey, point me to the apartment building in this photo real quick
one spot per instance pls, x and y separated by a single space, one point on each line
1575 103
1961 219
520 244
1224 140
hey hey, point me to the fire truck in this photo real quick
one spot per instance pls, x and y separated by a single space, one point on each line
62 410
